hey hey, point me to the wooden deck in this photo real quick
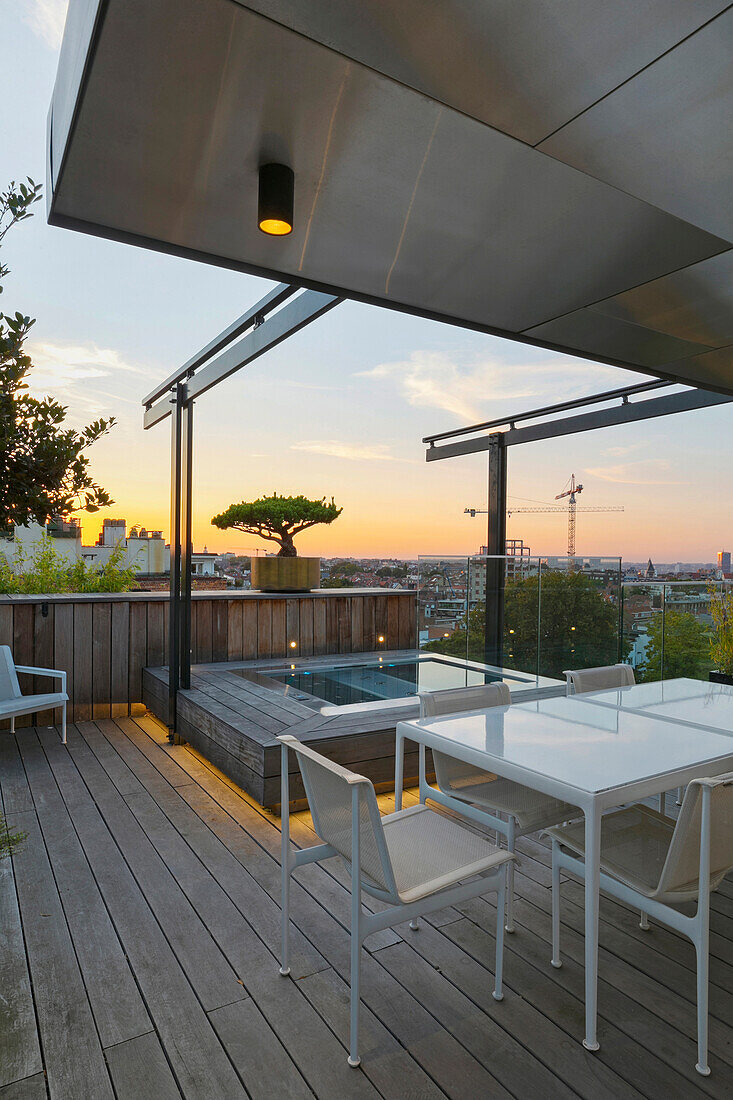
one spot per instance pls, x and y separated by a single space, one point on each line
139 927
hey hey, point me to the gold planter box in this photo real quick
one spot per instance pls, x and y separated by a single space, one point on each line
286 574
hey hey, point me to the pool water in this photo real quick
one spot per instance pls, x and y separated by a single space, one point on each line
381 680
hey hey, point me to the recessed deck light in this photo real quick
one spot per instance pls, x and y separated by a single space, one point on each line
275 200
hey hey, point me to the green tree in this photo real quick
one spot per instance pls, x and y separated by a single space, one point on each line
44 470
566 614
679 645
721 641
277 518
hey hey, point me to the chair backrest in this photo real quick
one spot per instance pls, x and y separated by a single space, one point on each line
455 700
452 774
682 865
9 686
603 678
329 789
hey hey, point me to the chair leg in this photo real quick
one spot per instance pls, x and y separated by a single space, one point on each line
555 960
414 924
12 724
510 843
354 1059
63 724
702 949
284 864
498 994
680 793
662 802
644 922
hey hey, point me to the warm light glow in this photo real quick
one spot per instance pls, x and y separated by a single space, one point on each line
294 645
275 227
380 638
572 628
511 631
446 635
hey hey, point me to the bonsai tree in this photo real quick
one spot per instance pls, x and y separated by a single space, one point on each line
277 518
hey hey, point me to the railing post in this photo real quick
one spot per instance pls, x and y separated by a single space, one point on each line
495 549
186 543
174 626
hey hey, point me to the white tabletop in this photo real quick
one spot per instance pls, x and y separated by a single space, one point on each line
579 744
694 702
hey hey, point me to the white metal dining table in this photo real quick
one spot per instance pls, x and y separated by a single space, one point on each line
694 703
596 756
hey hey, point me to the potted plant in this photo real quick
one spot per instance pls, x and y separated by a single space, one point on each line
279 519
721 642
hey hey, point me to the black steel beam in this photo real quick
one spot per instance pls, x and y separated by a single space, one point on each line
271 301
547 410
687 401
174 608
186 543
307 307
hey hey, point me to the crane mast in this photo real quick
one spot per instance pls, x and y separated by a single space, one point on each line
573 489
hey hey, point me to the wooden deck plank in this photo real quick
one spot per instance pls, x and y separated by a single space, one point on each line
209 972
158 829
30 1088
262 1062
75 1064
253 901
198 1060
139 1068
20 1051
116 1003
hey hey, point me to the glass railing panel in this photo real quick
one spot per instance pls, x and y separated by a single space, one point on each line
668 628
580 613
443 604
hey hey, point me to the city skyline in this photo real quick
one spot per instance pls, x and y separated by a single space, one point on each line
341 409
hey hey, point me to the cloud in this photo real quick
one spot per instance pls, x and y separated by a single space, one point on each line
435 380
46 19
621 452
58 367
336 449
649 472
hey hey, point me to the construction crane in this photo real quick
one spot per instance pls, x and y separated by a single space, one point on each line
571 490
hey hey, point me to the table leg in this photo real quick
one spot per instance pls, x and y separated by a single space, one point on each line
399 768
592 898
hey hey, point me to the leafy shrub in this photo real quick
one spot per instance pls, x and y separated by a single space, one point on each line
47 571
9 841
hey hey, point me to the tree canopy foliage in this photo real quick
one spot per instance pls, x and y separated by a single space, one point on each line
44 470
721 643
562 621
678 645
277 518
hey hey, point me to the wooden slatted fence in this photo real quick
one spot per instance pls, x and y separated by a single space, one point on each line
103 641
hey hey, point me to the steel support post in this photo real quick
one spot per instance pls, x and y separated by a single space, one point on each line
496 549
174 622
186 541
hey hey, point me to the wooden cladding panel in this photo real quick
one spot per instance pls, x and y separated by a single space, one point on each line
104 644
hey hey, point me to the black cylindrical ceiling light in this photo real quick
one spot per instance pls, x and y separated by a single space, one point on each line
275 200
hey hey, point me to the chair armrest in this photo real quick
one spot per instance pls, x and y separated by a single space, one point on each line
53 672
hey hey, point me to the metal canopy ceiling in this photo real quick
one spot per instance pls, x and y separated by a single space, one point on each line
558 173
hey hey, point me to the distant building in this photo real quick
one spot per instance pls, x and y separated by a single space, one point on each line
724 561
650 571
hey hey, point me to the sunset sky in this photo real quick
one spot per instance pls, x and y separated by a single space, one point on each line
340 409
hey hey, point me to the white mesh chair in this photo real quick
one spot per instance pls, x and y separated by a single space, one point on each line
415 860
654 864
602 678
13 703
606 678
484 795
